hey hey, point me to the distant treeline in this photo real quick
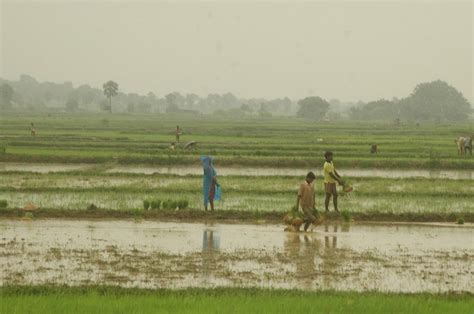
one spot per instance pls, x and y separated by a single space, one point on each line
432 101
28 93
435 101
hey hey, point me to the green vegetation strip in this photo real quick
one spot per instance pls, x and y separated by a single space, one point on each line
48 299
134 183
234 216
275 142
125 192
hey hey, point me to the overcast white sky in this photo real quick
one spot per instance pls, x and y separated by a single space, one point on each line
347 50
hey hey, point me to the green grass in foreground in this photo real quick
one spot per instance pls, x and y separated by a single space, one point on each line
221 300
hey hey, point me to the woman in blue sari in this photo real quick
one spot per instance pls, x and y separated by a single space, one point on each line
210 184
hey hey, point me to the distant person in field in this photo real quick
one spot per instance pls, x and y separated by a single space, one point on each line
468 145
306 200
173 146
331 177
460 142
178 133
33 129
210 185
373 149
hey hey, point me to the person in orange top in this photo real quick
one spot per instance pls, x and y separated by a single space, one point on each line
306 200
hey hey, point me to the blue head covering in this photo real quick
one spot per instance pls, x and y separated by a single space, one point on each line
209 174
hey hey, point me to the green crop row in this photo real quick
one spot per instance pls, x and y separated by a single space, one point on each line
276 142
156 204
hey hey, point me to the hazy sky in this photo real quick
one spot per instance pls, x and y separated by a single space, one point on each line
347 50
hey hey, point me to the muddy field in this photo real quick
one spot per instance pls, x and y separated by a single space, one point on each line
358 257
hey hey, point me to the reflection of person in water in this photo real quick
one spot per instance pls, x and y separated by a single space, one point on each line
332 256
329 258
210 248
327 243
303 250
210 241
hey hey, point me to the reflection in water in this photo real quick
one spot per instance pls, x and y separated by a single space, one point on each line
332 257
310 248
328 244
303 250
345 227
390 258
210 249
210 240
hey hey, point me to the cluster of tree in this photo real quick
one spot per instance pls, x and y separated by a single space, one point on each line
433 101
28 93
313 107
262 110
436 101
6 96
33 95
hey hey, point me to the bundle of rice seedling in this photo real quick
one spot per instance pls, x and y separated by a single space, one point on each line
346 187
183 204
155 204
294 219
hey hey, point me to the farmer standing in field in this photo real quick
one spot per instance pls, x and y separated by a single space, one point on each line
210 184
33 129
306 200
468 145
330 178
374 149
178 133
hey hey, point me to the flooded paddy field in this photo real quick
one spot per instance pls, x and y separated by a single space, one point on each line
262 171
356 257
184 170
40 167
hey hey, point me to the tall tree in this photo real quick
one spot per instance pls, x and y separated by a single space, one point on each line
286 104
6 95
171 103
191 100
72 105
229 100
436 100
87 94
312 108
110 90
381 109
264 112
